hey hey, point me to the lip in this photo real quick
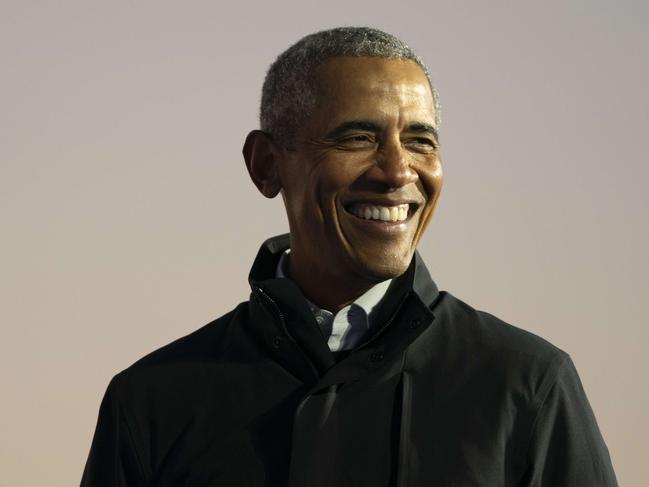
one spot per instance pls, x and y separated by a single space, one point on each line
380 202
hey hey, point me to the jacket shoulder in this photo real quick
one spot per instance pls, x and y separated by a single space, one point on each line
478 328
467 346
189 368
205 345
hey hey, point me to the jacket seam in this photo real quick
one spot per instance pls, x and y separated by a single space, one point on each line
403 453
131 440
593 458
546 394
564 360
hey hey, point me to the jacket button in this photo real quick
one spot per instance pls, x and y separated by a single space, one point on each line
376 357
415 323
277 341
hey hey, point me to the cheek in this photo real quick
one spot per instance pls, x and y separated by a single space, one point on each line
299 183
335 176
298 208
314 200
432 179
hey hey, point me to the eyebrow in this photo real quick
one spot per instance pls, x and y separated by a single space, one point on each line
423 128
366 125
369 126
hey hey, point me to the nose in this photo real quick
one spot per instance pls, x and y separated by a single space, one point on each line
392 168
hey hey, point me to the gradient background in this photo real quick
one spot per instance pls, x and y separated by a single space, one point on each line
128 218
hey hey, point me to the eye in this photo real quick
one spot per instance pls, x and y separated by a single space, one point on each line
358 138
422 144
355 141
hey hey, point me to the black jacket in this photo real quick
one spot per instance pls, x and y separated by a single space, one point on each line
440 395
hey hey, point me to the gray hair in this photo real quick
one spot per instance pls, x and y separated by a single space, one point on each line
288 93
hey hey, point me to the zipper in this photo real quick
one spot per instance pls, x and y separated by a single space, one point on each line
274 305
282 320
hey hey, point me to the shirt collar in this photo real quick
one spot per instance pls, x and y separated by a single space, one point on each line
345 328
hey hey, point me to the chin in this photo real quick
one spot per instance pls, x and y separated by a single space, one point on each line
384 268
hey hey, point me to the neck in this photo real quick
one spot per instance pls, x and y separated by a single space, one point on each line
325 290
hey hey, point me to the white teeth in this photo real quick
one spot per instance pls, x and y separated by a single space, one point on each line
382 213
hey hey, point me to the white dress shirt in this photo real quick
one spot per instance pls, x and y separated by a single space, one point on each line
345 329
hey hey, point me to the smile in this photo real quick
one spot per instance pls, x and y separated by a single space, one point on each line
381 213
397 213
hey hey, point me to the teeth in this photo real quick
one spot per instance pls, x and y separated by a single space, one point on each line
381 213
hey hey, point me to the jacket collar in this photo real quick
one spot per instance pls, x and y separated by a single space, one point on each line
264 267
283 320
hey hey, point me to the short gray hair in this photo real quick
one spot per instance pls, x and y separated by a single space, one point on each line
288 92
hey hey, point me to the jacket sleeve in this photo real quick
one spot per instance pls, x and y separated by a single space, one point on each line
112 461
567 448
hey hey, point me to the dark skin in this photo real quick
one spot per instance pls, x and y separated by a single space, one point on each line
370 140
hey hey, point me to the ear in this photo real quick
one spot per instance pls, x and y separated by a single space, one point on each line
260 154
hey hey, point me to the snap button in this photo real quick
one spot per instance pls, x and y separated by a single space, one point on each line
415 323
376 356
277 341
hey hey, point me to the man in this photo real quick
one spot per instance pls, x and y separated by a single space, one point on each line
348 367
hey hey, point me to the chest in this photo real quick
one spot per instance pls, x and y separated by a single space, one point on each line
265 428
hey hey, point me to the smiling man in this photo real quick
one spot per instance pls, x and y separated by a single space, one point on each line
360 176
348 367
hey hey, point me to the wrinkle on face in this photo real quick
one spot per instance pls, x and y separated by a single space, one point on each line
318 147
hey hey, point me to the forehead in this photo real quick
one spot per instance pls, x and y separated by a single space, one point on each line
372 88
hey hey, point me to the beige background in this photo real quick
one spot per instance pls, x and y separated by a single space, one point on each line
128 219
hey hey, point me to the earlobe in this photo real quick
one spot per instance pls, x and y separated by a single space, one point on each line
260 155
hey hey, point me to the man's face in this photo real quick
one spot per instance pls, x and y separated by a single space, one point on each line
361 182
